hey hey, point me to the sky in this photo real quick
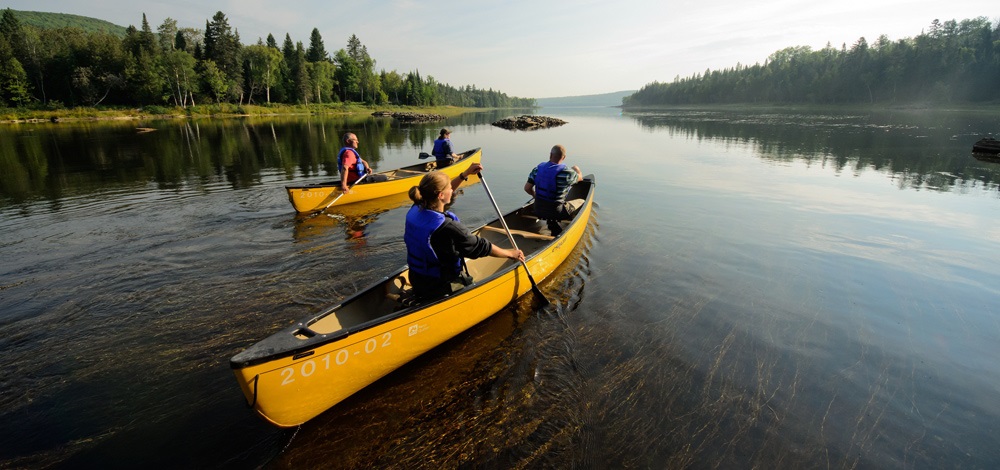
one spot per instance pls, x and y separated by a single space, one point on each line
549 48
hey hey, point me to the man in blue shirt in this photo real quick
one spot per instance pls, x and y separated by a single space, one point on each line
548 183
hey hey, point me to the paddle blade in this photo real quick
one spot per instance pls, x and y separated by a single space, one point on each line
542 300
424 155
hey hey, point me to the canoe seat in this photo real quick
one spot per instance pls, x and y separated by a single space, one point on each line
405 300
398 292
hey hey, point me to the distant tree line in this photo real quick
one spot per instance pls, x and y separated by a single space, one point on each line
186 66
952 62
46 20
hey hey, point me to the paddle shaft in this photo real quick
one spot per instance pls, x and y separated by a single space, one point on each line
342 194
510 236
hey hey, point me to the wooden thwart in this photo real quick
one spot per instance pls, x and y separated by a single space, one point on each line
410 172
530 235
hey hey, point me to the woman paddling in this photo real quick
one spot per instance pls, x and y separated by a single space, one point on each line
437 243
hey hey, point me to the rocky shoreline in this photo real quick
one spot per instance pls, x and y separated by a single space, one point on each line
409 117
528 123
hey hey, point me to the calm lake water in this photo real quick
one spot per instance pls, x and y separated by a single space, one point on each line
756 289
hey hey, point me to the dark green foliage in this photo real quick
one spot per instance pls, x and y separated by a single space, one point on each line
13 79
956 62
180 43
222 46
316 51
348 76
53 66
300 75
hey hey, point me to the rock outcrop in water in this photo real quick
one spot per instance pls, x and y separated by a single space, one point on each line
409 117
528 123
987 145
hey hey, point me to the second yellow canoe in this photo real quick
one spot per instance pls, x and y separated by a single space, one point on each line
315 197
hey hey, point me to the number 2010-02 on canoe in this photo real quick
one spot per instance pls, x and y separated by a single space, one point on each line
315 197
306 368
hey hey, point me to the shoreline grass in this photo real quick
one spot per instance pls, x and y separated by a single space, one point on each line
23 115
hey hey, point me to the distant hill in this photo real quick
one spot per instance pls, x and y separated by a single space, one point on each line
606 99
45 20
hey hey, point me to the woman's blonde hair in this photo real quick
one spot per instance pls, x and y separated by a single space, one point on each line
430 186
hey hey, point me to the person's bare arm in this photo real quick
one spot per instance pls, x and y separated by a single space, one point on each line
498 252
473 169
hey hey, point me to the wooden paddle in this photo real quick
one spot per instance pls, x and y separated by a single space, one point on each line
341 194
534 285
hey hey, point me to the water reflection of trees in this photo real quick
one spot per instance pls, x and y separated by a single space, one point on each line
57 161
920 150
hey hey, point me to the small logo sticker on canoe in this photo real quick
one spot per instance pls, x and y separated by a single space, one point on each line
415 328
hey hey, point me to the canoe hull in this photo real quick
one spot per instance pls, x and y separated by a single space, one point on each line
314 197
290 392
305 381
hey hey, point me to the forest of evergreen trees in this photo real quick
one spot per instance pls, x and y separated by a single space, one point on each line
951 62
174 66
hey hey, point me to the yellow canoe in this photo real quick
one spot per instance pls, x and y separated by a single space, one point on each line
301 371
314 197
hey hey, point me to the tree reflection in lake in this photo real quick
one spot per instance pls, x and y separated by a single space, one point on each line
922 150
53 161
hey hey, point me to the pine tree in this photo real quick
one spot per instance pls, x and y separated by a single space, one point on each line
222 46
316 51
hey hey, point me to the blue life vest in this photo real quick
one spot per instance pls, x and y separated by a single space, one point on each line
359 167
545 181
442 148
420 256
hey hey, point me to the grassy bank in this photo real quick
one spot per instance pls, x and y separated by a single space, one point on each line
10 115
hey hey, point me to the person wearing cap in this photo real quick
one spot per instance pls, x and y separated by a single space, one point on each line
548 183
443 150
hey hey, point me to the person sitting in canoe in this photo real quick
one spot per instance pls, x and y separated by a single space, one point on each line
436 241
443 150
548 183
350 159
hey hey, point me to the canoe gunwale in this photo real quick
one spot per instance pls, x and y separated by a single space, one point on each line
415 167
286 343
